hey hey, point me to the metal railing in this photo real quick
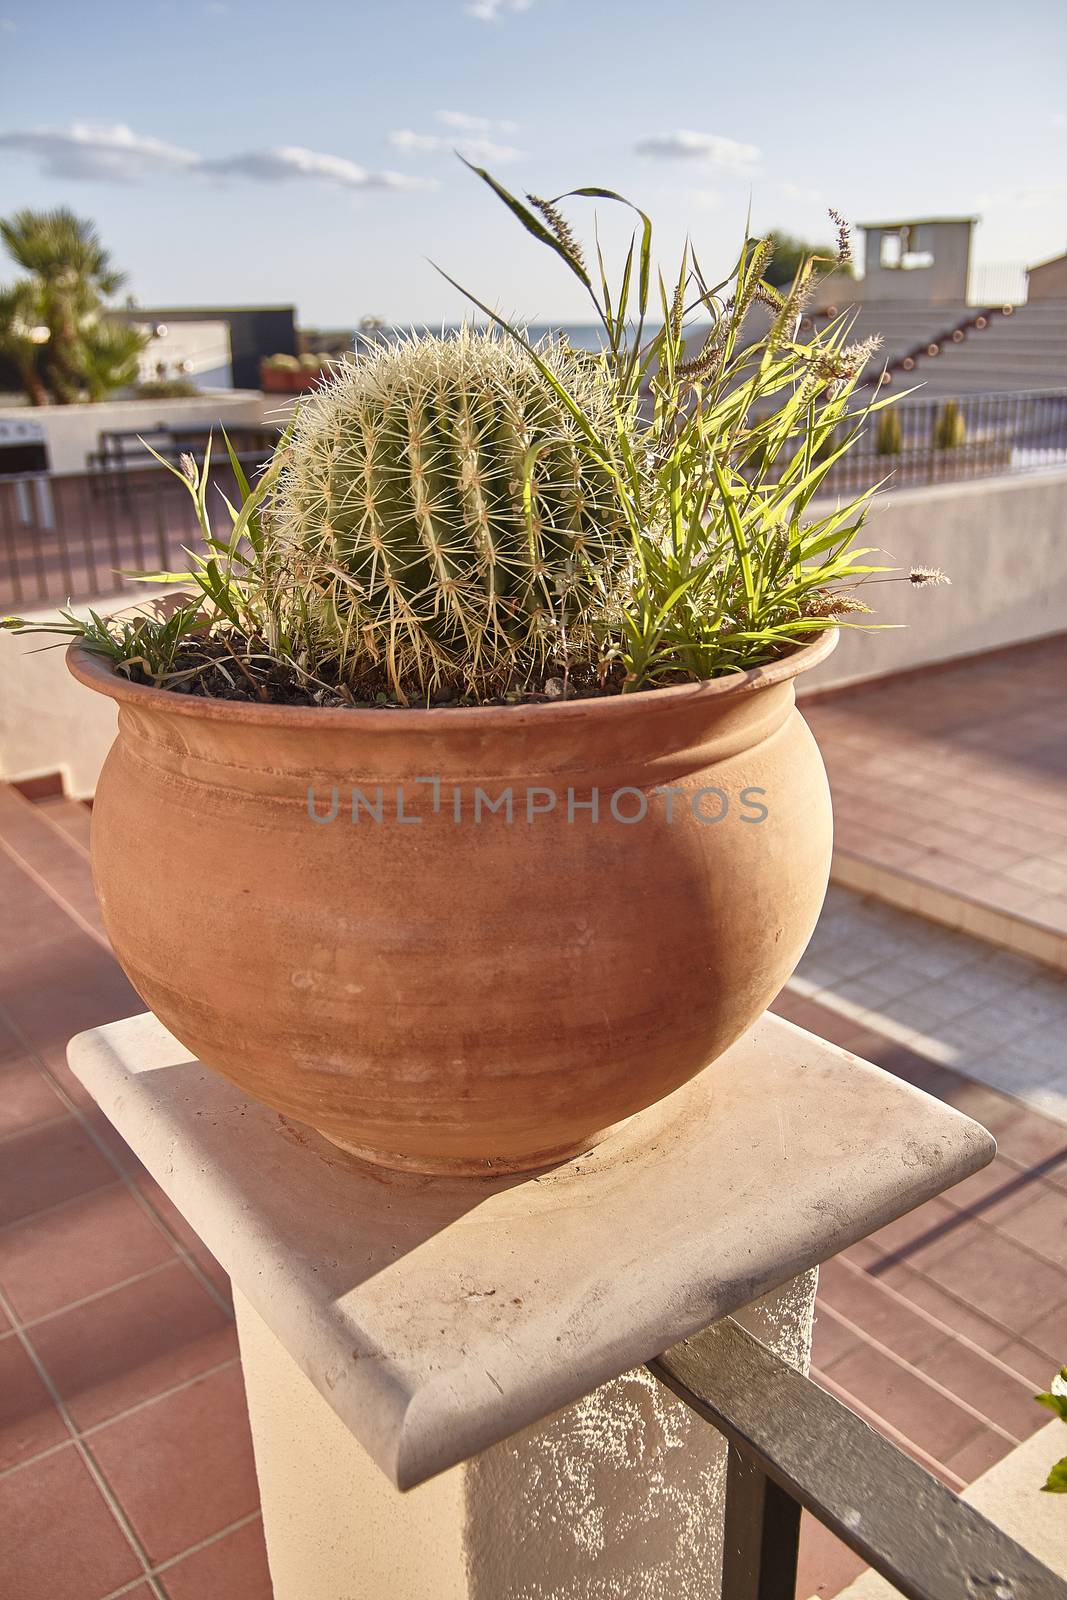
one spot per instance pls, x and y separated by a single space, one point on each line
945 439
78 536
792 1446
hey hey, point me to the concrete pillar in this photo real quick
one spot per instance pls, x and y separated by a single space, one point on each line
617 1497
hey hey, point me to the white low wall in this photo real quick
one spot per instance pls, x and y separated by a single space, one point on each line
73 432
1002 542
48 722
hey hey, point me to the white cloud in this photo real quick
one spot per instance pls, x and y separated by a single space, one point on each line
713 148
118 155
293 162
476 150
468 124
8 26
105 154
493 10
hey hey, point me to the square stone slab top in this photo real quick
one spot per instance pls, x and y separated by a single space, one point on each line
437 1316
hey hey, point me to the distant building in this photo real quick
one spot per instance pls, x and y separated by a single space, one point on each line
926 262
1048 280
255 332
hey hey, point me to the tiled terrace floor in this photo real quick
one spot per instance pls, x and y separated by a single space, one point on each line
125 1463
125 1459
949 793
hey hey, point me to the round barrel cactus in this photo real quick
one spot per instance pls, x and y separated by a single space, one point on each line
442 516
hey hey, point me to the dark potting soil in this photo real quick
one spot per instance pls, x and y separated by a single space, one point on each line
212 671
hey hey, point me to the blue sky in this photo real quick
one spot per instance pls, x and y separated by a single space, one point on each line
301 151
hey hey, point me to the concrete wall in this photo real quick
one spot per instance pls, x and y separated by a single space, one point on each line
72 432
1002 542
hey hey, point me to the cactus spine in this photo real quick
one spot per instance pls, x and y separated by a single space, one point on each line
440 512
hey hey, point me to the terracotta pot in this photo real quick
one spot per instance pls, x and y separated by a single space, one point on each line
284 380
451 990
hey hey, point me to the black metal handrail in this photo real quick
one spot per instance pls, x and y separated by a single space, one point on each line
791 1446
79 536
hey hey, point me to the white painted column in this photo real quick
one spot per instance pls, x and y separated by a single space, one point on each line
619 1495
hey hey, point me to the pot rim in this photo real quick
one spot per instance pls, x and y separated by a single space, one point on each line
92 670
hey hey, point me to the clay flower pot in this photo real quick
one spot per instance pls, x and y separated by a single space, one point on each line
433 977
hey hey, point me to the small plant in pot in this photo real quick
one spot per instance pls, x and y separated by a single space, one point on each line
460 806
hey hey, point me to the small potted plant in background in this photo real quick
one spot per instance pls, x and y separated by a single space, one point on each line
889 436
950 427
460 806
285 374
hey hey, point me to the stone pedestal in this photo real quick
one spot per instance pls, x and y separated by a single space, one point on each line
401 1332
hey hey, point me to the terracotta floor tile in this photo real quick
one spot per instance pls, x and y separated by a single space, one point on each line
60 1540
26 1096
87 1245
86 988
1030 1139
935 1219
71 817
1002 1399
46 1165
1035 1367
1054 1173
936 1424
826 1566
215 1272
983 1330
991 1273
1035 1219
834 1026
1048 1331
182 1467
1000 775
830 1339
233 1568
29 1422
978 1455
168 1212
114 1144
131 1344
999 1181
866 1303
43 850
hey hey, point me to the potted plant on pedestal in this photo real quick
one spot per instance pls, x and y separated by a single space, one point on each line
461 809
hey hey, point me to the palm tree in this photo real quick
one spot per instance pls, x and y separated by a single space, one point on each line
18 320
71 276
109 357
